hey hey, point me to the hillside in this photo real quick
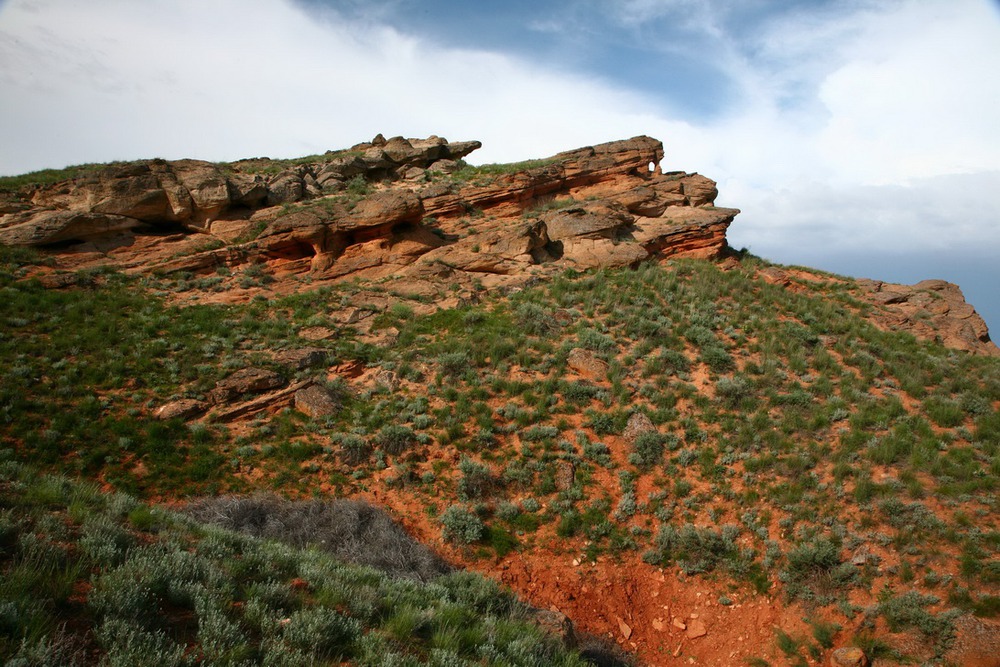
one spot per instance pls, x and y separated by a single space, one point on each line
554 373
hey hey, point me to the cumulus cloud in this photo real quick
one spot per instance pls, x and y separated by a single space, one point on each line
223 80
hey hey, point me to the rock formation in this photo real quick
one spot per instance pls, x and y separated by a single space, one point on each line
930 310
412 214
404 208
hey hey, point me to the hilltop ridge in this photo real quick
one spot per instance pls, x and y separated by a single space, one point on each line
413 215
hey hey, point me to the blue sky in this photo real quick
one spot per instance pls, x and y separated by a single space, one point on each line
857 136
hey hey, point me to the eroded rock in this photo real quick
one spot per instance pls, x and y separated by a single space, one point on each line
316 401
245 381
587 363
848 657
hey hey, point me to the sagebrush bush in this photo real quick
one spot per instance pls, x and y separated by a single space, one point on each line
648 449
395 439
815 571
461 526
476 481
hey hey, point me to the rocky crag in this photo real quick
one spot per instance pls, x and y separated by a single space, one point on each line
405 209
412 215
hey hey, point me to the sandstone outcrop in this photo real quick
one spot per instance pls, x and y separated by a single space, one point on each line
933 310
930 310
591 207
194 193
315 401
411 214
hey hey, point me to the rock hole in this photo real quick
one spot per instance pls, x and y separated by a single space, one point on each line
652 166
292 251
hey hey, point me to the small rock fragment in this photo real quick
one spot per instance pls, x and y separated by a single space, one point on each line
185 408
624 627
696 628
849 656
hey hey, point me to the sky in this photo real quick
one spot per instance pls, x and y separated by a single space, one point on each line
857 136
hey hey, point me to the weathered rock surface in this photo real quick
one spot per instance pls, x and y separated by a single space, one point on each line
638 424
930 310
194 193
316 401
184 408
554 624
848 657
587 363
245 381
302 358
933 310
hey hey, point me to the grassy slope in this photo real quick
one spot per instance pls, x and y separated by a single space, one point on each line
791 432
89 575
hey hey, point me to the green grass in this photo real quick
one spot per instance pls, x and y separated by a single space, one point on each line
186 593
44 177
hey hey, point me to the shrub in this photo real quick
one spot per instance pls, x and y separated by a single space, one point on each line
596 341
533 319
322 632
476 479
461 526
717 359
538 433
354 450
128 645
694 549
735 392
597 452
909 611
395 439
453 364
814 571
649 446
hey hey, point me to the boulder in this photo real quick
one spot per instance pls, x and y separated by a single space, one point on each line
386 378
594 235
637 424
444 166
698 190
565 475
383 209
245 381
848 657
136 195
207 186
592 220
587 363
249 190
930 310
56 226
696 628
285 188
184 408
316 401
554 624
303 358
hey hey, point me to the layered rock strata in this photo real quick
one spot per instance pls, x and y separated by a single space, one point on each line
403 208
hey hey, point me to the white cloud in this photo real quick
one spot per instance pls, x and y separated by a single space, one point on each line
222 80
